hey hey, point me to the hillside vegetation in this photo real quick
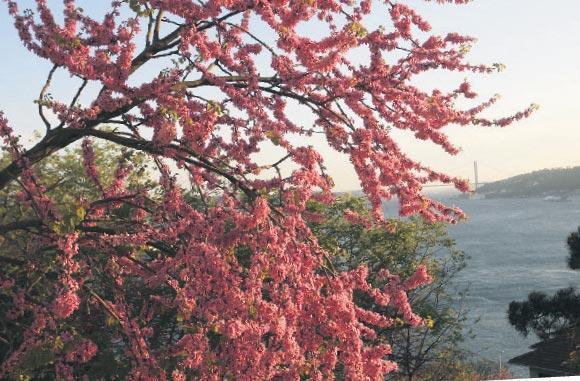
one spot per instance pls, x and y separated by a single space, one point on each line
560 182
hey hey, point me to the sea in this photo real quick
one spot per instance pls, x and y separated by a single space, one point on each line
514 246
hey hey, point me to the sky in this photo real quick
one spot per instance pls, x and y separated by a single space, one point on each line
537 40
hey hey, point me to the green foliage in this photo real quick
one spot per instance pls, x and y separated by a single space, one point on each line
550 316
136 7
65 179
35 269
574 250
546 316
413 242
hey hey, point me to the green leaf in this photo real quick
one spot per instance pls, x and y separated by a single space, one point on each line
81 213
58 343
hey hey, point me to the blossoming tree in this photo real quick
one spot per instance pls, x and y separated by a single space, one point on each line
221 243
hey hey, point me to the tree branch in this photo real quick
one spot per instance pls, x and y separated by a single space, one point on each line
41 98
151 148
20 225
231 78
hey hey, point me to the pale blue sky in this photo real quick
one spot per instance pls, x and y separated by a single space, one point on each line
538 41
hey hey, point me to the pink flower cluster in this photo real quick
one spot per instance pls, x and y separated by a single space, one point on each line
221 240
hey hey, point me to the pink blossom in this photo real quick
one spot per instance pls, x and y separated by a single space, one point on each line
216 240
65 304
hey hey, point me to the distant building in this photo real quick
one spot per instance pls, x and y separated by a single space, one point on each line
550 358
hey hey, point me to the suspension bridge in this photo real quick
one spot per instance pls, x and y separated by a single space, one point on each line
474 181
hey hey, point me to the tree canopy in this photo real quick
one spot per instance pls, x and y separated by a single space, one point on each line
428 352
550 316
194 91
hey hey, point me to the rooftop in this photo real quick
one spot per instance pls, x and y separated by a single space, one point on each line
553 354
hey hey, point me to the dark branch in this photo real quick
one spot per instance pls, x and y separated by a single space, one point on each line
42 95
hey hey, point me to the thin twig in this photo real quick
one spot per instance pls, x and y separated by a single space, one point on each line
254 37
157 25
149 35
78 94
104 303
41 98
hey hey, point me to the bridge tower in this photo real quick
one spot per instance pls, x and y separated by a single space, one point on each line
475 175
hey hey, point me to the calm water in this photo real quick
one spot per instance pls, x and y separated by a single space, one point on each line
515 246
